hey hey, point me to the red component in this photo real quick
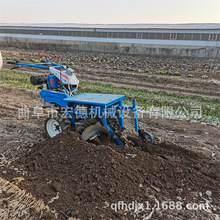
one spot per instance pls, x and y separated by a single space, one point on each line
51 81
42 52
58 81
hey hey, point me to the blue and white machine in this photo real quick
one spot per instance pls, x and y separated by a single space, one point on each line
96 117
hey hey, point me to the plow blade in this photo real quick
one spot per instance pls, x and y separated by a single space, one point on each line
96 131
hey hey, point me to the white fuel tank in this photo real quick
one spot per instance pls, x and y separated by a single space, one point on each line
66 76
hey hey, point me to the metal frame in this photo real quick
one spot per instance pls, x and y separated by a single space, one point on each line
104 102
40 65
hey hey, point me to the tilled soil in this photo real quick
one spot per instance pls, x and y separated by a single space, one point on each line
182 165
90 180
87 179
195 86
15 132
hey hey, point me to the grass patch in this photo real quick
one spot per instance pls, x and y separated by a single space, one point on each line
167 72
15 59
16 79
204 77
6 58
35 61
190 76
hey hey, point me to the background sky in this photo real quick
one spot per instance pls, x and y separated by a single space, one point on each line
110 11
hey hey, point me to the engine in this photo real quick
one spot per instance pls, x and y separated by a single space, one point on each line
38 80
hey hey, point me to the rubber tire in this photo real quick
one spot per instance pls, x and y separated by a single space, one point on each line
64 124
148 137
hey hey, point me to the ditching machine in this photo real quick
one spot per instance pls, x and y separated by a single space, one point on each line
96 117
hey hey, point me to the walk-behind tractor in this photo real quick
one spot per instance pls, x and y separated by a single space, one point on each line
96 117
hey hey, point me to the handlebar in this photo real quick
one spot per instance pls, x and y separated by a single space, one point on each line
12 62
45 65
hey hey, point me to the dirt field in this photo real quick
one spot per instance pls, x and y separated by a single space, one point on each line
183 164
99 68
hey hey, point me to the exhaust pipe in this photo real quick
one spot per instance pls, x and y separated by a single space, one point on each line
1 61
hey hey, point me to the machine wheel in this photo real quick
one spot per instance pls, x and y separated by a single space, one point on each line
55 126
96 134
148 138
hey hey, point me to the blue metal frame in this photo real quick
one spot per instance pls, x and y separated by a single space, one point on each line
55 97
40 65
105 102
